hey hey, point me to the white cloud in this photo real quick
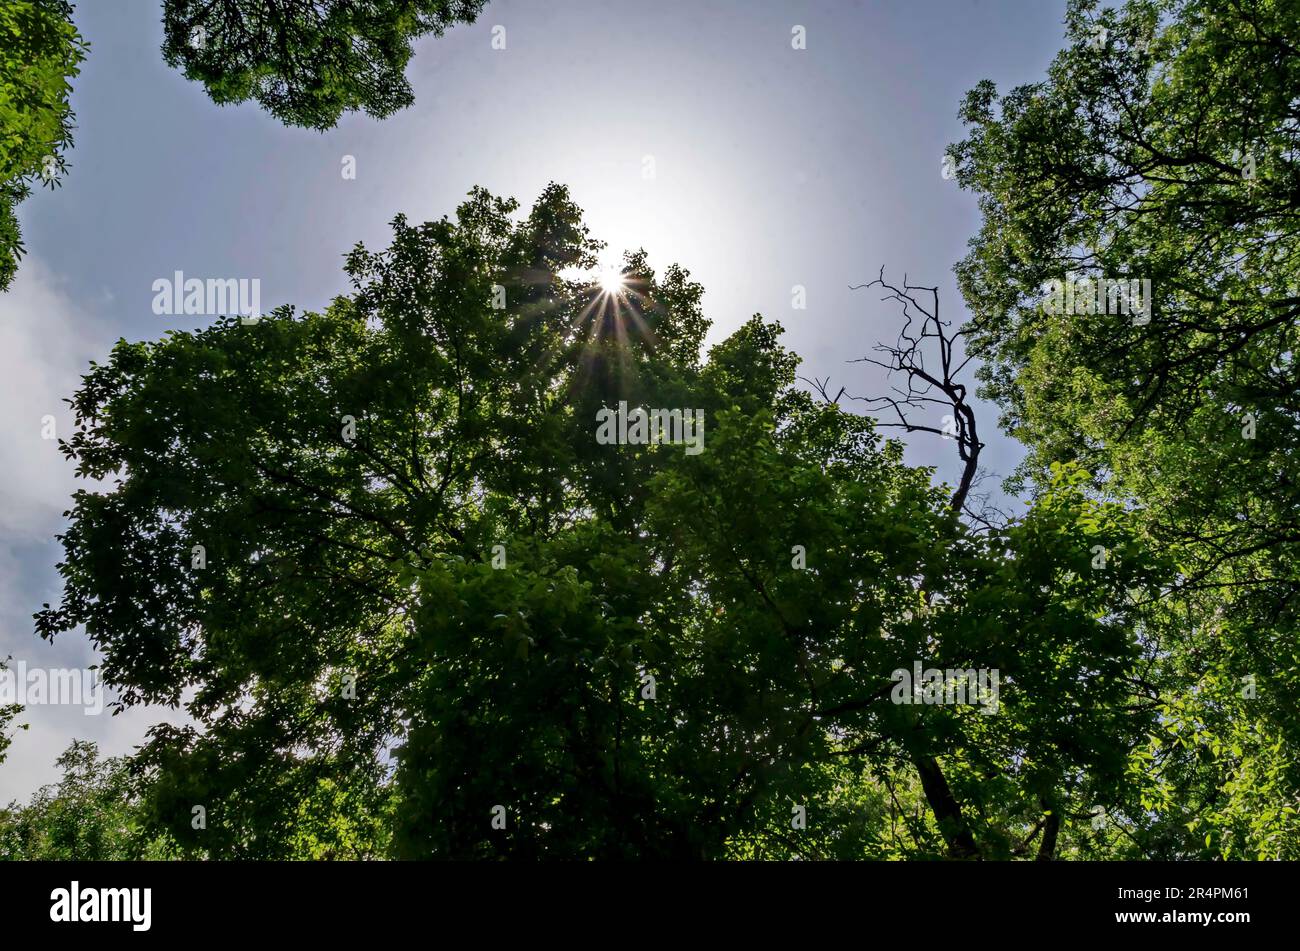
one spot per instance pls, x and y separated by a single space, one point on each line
46 342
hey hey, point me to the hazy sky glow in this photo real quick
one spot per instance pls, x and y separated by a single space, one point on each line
773 167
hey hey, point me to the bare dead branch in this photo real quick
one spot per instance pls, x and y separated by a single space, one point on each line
925 332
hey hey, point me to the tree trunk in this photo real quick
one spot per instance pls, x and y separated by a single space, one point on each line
947 811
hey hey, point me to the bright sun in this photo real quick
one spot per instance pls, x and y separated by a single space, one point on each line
611 280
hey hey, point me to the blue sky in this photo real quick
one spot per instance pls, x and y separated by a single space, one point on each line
774 167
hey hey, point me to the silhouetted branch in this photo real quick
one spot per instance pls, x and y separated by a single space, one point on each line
924 332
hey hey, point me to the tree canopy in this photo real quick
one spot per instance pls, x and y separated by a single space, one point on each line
1163 146
92 814
40 53
416 603
306 61
424 597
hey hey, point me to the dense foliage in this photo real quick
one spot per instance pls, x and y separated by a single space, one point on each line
415 607
92 814
40 52
370 674
1163 145
306 61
